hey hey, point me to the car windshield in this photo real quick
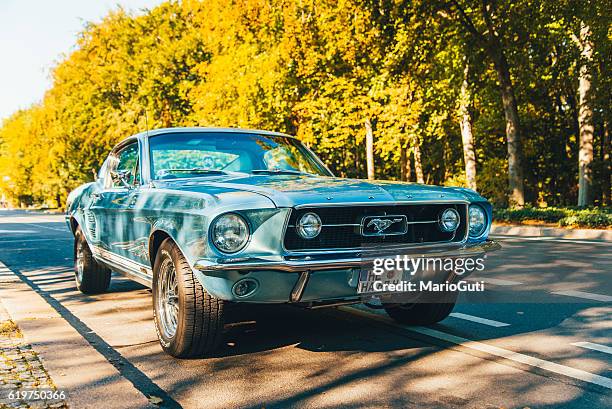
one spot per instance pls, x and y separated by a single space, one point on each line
197 154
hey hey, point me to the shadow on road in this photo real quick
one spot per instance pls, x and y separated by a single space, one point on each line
261 345
281 356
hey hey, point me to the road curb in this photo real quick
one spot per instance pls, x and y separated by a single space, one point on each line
73 364
543 231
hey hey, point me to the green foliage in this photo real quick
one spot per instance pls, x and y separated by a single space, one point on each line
588 218
571 217
319 70
492 178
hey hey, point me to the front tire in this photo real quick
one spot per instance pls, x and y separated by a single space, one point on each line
188 320
423 313
91 277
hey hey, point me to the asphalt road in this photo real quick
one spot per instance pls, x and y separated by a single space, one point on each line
539 336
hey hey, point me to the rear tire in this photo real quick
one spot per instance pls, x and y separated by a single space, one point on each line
423 313
188 320
91 277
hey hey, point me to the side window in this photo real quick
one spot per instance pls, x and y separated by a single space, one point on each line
136 181
125 161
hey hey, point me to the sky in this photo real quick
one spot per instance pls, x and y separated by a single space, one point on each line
34 34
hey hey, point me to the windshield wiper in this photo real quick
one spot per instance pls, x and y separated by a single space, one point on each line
197 170
279 172
169 173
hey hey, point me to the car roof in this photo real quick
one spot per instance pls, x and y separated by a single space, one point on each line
161 131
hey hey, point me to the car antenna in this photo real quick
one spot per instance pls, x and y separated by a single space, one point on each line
146 123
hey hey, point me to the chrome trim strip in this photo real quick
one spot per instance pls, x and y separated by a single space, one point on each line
131 264
300 286
338 264
398 203
135 271
423 222
313 305
357 224
145 170
285 228
333 225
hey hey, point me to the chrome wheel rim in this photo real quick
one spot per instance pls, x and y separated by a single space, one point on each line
80 262
167 298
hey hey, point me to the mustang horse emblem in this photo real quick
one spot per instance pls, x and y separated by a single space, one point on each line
380 225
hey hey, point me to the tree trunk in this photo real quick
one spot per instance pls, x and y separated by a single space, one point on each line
465 122
403 159
369 149
418 167
513 133
166 115
492 45
405 171
607 165
585 119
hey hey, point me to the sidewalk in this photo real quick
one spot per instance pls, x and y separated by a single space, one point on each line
21 370
85 375
556 232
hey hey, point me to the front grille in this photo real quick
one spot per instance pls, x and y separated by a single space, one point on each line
342 226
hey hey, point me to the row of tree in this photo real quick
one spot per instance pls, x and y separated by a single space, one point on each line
507 97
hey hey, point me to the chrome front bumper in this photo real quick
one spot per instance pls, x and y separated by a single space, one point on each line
308 278
309 263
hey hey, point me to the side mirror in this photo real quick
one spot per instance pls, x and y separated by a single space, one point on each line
121 177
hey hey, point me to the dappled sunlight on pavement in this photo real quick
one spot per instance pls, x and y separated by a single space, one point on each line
282 357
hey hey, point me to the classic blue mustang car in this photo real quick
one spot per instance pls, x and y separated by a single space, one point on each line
207 217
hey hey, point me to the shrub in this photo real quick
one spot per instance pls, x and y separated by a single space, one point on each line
567 217
588 219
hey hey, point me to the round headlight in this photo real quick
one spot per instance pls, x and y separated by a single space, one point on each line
449 220
309 226
230 233
478 220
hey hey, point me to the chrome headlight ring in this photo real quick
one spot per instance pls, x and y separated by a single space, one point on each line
309 226
477 221
230 233
449 220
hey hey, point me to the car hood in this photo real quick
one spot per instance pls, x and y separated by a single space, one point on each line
299 190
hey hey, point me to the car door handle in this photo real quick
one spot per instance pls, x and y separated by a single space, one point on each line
133 201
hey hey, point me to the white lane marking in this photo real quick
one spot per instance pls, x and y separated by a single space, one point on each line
583 294
496 351
497 281
49 228
553 239
594 347
18 231
27 240
479 320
